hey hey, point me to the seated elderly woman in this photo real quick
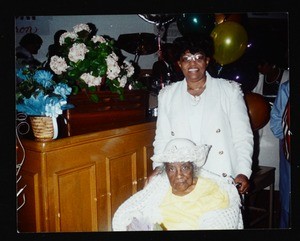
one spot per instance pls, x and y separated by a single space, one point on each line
183 196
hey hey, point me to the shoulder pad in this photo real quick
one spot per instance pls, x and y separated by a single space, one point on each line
166 88
236 86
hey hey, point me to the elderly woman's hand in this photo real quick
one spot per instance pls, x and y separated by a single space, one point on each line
141 224
243 183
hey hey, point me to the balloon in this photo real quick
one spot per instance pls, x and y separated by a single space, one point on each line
230 41
158 19
258 110
243 71
221 17
189 24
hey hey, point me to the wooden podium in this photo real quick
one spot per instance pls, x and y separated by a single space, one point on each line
75 184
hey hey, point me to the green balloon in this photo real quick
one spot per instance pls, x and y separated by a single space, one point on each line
230 42
190 24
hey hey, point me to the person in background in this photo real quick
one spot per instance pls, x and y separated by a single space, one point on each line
29 46
272 73
55 48
206 110
182 196
276 124
166 69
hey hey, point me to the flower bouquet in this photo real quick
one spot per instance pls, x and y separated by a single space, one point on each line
38 95
88 63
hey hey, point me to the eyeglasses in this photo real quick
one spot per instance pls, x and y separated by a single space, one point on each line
195 57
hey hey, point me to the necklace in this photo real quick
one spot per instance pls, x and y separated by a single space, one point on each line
198 88
275 80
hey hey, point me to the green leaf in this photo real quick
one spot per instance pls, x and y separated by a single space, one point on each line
94 98
92 89
75 89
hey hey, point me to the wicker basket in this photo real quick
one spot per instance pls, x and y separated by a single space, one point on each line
42 127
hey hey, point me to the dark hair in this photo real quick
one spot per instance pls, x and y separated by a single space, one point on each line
198 43
57 35
93 29
30 38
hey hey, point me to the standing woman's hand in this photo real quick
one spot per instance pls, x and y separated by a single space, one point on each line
243 183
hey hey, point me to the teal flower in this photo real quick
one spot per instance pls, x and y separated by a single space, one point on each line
44 78
23 74
35 105
39 95
63 90
53 106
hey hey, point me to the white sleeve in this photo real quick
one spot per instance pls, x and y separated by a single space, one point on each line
163 128
242 134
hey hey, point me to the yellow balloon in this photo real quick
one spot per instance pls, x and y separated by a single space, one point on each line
230 42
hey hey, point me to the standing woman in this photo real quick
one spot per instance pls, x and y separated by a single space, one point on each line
206 110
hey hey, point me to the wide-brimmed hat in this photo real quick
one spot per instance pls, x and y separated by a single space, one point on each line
183 150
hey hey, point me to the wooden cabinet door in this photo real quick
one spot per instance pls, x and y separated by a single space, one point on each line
72 189
75 199
123 179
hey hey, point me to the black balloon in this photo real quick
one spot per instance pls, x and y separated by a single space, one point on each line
191 24
243 71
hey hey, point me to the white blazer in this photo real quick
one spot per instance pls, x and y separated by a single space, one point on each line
221 120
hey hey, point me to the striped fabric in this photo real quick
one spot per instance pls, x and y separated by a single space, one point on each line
286 130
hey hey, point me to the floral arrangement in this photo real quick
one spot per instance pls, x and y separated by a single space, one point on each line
90 62
37 94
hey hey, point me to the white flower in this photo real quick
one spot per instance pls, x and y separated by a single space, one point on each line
77 52
113 68
91 80
53 109
58 64
122 81
82 26
129 68
114 56
67 35
98 38
87 61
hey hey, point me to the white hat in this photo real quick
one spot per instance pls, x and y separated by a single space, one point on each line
183 150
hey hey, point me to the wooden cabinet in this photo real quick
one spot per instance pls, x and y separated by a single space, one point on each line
75 184
108 113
